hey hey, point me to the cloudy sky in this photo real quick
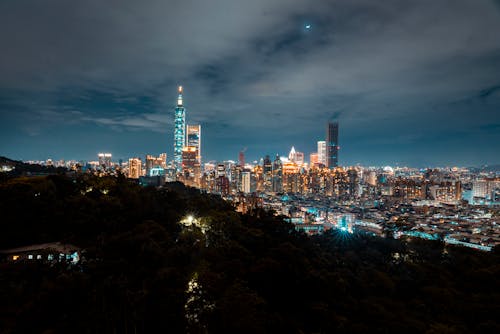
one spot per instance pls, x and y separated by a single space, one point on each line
410 82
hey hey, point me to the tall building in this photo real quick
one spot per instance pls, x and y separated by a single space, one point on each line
295 156
194 139
322 152
134 168
245 182
299 158
292 155
189 158
313 159
179 130
267 174
332 145
104 160
277 175
241 158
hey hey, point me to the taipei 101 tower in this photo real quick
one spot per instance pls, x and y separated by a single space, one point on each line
179 130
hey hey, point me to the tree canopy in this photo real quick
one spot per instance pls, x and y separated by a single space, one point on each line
144 271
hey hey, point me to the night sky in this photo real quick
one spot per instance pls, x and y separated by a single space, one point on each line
410 82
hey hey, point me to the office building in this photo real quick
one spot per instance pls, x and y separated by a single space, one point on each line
134 168
104 160
332 145
313 159
189 158
267 173
299 158
322 152
241 158
245 182
277 175
194 139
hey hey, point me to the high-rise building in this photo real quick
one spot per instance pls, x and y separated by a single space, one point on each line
313 159
189 158
295 156
277 175
322 152
299 158
104 160
292 155
179 130
245 182
241 158
194 139
332 145
134 168
267 174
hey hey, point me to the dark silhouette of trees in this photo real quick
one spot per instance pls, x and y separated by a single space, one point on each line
143 271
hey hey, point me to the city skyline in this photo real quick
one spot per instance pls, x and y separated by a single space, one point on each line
406 88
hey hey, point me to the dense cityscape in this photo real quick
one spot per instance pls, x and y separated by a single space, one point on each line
250 167
457 205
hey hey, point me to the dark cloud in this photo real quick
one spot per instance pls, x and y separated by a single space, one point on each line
400 73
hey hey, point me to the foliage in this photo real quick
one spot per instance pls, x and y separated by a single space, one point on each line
252 273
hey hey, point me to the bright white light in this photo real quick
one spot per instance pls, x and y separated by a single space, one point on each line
308 26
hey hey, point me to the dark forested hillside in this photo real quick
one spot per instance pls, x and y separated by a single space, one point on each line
174 260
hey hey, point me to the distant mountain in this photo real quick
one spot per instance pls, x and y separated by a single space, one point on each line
486 168
16 168
8 162
492 168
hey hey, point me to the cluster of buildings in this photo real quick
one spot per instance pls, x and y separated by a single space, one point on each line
456 205
402 202
186 164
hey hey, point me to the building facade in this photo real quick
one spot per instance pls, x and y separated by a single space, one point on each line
134 168
179 130
332 145
194 139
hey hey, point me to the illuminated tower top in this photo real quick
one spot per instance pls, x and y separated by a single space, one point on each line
179 98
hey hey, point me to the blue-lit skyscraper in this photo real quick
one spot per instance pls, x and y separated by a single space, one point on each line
179 130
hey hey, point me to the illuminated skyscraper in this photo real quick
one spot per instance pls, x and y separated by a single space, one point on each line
277 175
189 158
267 174
332 145
295 156
245 182
134 168
322 152
194 139
179 130
292 155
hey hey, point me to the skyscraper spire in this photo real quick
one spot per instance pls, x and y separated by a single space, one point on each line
179 98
